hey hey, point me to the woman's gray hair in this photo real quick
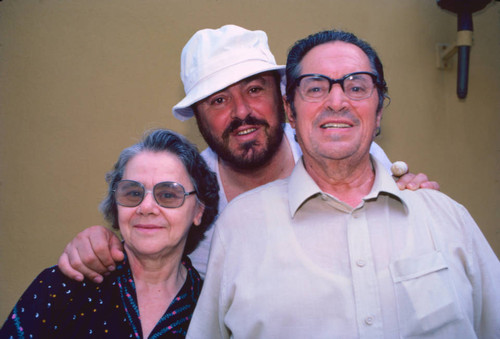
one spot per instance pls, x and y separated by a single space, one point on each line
203 179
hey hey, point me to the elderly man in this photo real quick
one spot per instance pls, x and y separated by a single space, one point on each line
336 250
232 85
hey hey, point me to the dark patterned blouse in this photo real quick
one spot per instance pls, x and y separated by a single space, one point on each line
55 306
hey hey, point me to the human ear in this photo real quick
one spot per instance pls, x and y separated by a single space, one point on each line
199 213
289 111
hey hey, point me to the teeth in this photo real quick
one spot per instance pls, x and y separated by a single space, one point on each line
246 131
334 125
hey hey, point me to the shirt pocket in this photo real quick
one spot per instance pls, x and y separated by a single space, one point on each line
424 293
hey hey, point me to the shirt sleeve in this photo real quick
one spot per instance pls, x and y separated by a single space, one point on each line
33 314
484 273
208 316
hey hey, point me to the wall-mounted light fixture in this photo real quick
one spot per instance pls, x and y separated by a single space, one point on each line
464 10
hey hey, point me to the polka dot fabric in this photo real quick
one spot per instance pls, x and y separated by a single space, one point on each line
54 306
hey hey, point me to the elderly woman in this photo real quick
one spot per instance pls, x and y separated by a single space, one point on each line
162 197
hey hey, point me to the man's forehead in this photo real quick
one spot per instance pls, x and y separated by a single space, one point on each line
264 77
336 53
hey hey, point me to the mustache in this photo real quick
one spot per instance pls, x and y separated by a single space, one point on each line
237 123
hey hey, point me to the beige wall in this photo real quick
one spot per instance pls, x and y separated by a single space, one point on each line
80 80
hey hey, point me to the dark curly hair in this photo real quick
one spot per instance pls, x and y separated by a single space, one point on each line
203 179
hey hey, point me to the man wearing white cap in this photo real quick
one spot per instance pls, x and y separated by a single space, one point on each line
233 88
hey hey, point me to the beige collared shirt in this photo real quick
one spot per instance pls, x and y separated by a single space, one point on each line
289 261
199 257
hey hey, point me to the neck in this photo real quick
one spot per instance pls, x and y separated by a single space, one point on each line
349 180
157 282
159 269
237 181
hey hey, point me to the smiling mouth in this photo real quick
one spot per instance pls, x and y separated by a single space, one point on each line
335 125
146 227
246 131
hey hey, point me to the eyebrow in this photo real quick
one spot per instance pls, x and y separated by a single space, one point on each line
253 77
245 81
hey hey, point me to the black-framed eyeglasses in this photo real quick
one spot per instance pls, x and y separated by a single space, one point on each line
169 194
316 87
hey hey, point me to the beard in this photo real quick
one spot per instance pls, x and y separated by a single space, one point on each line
250 155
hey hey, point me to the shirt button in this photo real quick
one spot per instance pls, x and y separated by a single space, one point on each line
361 263
324 197
369 321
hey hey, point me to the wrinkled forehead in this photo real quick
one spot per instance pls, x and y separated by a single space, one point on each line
157 165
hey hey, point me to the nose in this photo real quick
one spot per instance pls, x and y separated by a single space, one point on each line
241 107
336 99
148 205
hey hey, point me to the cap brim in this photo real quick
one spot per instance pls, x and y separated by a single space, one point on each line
220 80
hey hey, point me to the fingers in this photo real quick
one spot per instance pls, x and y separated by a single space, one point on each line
409 180
98 257
66 268
405 180
431 184
89 254
116 248
73 260
416 181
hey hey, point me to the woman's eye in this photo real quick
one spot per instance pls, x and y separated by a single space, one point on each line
134 193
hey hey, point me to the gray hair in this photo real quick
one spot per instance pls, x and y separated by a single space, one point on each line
203 179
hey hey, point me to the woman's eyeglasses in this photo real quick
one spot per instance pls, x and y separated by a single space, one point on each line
168 194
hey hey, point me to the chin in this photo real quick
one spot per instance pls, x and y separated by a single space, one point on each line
149 248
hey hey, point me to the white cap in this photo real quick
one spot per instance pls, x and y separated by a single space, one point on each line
214 59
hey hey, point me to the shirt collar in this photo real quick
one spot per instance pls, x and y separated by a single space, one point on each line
384 184
302 187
